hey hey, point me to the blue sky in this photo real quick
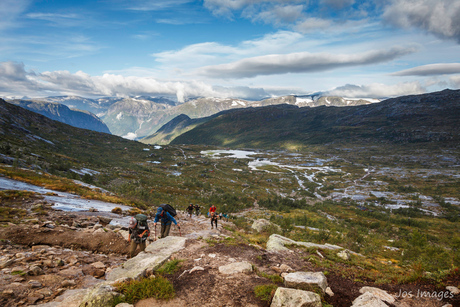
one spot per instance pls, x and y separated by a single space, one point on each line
248 49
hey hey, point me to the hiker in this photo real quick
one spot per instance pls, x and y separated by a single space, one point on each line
197 209
138 233
220 216
190 209
212 209
166 220
213 219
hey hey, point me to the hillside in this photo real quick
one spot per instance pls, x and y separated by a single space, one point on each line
63 114
428 118
392 211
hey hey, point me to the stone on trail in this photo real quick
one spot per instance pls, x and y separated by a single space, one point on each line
306 280
379 293
368 300
453 290
236 267
285 297
99 296
154 256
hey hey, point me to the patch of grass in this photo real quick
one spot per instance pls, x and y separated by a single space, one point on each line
170 267
265 292
133 291
20 273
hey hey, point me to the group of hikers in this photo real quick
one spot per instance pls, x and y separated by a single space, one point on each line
139 230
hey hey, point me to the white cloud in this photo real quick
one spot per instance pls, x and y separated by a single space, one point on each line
312 24
430 70
10 10
337 4
378 90
301 62
16 81
439 17
277 15
207 53
455 81
154 5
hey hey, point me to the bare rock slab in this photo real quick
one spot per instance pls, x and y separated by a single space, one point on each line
285 297
154 256
306 280
236 267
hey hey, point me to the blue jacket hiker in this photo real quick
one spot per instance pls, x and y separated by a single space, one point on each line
166 220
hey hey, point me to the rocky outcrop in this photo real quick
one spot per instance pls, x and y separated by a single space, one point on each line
277 243
285 297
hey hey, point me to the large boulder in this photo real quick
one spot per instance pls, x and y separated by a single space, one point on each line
285 297
306 280
263 224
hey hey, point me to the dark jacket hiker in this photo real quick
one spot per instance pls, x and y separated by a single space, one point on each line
166 220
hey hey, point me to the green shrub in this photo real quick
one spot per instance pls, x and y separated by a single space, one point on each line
265 292
136 290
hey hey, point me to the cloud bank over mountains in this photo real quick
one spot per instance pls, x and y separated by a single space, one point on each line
249 49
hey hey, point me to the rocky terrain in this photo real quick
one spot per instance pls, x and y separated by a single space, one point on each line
57 258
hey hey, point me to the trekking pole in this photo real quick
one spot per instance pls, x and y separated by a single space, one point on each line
154 239
180 234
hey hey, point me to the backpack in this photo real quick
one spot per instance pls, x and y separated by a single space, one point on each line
141 221
169 208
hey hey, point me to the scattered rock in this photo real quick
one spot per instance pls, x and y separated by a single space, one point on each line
236 267
379 293
329 291
306 280
368 300
68 283
197 268
285 297
345 255
263 224
453 290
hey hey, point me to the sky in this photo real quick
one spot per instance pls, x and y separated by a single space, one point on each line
249 49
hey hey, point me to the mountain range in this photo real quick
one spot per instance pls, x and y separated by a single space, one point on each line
140 117
427 118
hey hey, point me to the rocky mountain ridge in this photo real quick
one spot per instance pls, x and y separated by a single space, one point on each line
64 114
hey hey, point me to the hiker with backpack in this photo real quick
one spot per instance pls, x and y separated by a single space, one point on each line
164 213
190 210
138 233
197 209
212 209
213 219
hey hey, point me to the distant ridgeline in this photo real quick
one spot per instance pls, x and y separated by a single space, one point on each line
63 114
428 118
